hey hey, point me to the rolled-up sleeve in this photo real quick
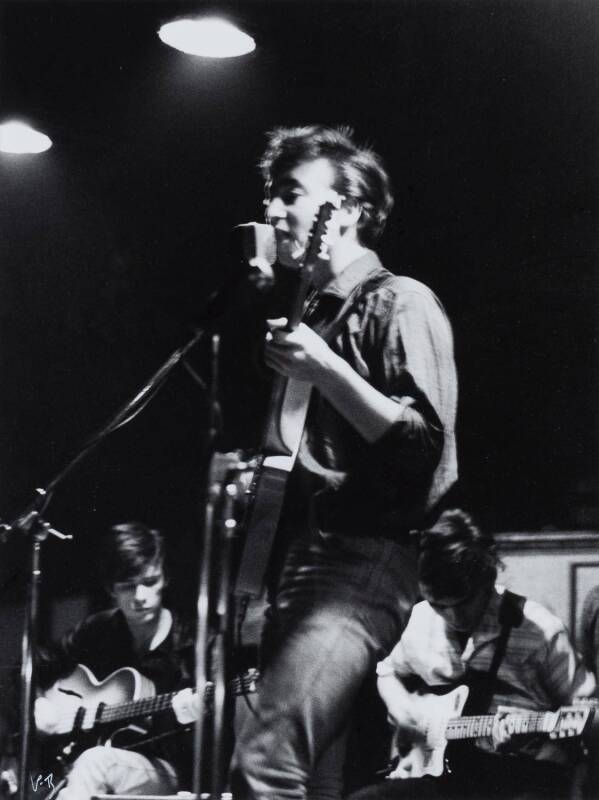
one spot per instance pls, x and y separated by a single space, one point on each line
414 365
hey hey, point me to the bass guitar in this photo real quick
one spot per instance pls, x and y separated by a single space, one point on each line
443 724
285 422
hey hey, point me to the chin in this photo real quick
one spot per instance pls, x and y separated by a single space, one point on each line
146 616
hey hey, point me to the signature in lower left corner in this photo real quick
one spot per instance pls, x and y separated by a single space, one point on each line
39 780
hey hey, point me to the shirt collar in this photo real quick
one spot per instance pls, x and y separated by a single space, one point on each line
355 273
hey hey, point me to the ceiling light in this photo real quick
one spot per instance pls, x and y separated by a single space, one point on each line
17 137
208 37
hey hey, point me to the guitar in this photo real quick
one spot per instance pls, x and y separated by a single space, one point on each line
285 422
87 705
443 724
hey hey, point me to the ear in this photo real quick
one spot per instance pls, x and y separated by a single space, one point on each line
349 213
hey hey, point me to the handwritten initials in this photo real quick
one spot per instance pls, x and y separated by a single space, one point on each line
48 780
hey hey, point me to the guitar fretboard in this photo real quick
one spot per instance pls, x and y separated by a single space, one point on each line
476 727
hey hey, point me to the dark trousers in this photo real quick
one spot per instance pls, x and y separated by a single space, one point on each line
342 603
488 777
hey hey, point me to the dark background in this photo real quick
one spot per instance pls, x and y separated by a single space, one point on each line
110 243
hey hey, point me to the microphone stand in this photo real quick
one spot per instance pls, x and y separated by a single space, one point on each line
214 591
37 529
32 524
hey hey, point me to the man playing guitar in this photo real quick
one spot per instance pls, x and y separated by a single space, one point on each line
513 655
378 453
139 632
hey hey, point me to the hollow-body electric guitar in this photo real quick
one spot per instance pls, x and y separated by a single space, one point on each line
86 705
443 724
285 422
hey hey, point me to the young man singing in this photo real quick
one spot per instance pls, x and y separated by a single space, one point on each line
378 454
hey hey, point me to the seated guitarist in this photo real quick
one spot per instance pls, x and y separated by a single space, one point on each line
138 632
511 652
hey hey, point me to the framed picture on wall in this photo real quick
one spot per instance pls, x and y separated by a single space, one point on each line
583 577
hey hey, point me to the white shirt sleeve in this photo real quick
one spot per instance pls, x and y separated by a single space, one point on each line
398 661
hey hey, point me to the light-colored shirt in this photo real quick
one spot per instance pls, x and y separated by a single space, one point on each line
589 629
540 670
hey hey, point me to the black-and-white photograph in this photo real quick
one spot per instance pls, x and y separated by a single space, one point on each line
299 441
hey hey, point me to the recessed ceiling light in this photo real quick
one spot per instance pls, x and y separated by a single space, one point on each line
208 37
18 137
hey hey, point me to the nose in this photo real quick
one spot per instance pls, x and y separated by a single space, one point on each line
275 210
141 593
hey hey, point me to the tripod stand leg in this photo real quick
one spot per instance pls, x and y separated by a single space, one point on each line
223 616
202 633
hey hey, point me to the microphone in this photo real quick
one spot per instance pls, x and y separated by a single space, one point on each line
257 244
251 252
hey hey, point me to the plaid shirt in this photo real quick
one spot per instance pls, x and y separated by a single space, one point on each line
393 331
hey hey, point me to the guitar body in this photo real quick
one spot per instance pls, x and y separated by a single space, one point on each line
78 696
267 488
95 712
427 757
284 430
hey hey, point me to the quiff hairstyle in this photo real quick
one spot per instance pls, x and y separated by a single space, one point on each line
456 558
127 550
360 174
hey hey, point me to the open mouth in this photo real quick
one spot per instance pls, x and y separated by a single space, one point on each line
287 242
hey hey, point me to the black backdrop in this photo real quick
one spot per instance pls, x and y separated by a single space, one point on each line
486 114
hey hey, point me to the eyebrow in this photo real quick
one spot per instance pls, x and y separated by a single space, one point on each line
286 182
139 579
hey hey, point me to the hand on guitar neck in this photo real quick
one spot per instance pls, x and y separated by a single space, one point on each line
301 354
186 706
503 732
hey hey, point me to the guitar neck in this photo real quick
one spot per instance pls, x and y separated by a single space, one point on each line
475 727
296 311
161 702
136 708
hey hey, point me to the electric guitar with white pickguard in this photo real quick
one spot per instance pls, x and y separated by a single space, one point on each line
443 724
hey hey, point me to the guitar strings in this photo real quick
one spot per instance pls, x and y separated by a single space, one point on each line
143 706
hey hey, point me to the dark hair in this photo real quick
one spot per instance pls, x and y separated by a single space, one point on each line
456 558
128 549
360 174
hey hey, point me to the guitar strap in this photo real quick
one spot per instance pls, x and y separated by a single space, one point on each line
328 330
511 615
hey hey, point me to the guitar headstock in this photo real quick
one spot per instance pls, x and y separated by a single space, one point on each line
572 721
319 236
